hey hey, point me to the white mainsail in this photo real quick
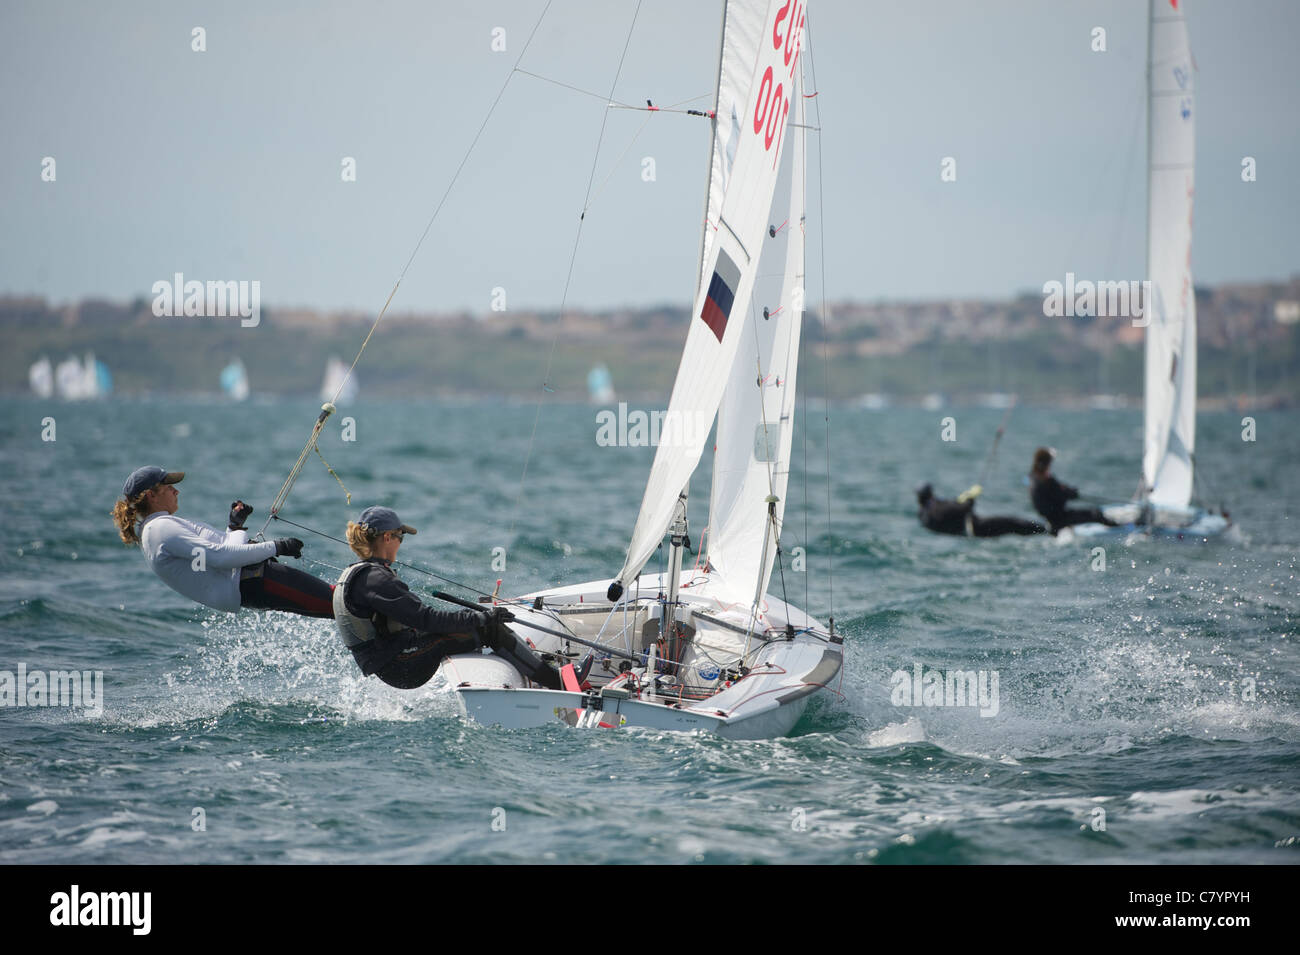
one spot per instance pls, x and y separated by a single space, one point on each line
1170 403
756 418
731 262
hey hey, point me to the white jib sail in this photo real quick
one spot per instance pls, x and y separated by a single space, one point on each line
731 264
756 417
1170 405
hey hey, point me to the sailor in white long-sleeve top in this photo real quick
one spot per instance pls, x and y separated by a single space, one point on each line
219 569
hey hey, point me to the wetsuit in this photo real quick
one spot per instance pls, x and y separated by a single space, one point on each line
954 517
1049 496
396 637
222 570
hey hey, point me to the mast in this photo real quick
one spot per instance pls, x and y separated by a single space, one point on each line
1147 304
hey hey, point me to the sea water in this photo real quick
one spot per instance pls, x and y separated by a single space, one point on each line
1146 693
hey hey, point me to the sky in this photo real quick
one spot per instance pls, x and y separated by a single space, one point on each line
226 163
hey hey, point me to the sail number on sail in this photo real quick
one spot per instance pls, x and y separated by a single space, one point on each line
772 104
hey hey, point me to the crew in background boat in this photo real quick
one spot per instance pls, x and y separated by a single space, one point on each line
959 517
1050 496
395 636
219 569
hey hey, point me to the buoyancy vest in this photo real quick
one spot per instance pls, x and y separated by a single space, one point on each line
357 631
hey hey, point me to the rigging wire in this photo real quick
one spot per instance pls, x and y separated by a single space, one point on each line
825 314
568 279
329 408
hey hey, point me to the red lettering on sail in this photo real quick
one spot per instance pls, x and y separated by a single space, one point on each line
790 47
772 101
776 27
763 101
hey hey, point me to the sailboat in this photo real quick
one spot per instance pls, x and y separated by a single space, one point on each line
41 377
709 647
600 386
1164 502
340 383
81 380
234 381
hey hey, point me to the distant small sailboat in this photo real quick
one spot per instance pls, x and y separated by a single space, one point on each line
234 381
41 378
336 378
600 386
82 379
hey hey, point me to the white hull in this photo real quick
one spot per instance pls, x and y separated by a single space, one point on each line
783 674
1192 524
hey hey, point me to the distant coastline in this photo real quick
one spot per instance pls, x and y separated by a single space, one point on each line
877 354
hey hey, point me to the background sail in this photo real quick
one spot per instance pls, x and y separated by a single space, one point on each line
1170 404
756 417
731 266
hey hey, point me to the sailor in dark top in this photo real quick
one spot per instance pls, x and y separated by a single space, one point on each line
396 637
959 517
1050 495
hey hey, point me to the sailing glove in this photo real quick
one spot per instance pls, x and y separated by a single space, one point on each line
500 615
495 633
239 512
288 546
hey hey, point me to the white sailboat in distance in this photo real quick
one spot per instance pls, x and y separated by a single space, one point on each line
1164 503
711 647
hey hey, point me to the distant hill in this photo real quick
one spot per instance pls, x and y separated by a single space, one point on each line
1249 349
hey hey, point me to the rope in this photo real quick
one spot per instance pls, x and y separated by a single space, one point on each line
328 409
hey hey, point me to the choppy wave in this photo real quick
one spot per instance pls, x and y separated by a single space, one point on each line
1147 712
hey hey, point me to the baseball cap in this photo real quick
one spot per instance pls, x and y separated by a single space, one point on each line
384 519
147 478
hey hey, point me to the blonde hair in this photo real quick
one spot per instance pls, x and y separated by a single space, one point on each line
362 539
127 514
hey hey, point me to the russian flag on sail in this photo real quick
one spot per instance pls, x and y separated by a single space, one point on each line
722 292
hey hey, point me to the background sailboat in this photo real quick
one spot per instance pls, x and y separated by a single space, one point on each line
82 379
600 386
41 378
337 385
1164 503
234 381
